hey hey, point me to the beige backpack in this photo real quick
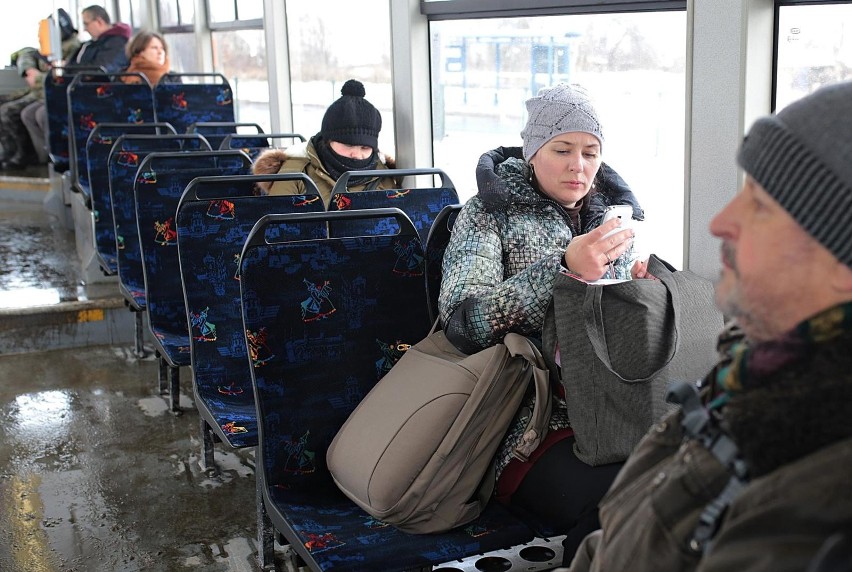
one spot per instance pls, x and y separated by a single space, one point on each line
418 451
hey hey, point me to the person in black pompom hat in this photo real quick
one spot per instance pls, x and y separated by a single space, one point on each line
352 120
66 26
348 140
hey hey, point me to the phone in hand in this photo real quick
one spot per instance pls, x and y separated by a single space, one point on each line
623 212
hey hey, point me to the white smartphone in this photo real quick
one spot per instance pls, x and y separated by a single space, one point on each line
624 212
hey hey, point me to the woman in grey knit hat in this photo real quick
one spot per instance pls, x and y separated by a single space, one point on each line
538 211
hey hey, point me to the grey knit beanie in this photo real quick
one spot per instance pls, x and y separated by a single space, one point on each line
555 110
802 156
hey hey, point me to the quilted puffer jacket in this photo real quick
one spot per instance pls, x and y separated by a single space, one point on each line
506 249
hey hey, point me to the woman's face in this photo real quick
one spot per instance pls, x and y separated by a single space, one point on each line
154 52
359 152
565 166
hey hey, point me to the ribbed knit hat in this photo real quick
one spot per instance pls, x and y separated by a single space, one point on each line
555 110
352 119
802 156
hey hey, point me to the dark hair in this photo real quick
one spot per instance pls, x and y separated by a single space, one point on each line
97 12
141 40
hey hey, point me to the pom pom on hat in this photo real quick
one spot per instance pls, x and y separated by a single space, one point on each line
66 27
352 119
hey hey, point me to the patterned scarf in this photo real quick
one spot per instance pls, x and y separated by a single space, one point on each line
336 164
747 366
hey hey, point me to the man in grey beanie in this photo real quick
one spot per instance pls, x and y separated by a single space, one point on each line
753 472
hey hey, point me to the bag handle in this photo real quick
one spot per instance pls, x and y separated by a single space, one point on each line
536 428
593 317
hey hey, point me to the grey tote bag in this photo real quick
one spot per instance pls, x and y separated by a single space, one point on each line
620 345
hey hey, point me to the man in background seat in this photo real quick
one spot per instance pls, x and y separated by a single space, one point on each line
105 49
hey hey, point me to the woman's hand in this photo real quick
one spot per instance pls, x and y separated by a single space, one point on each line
590 254
640 270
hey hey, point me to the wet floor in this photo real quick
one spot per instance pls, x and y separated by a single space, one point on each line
97 475
40 265
36 249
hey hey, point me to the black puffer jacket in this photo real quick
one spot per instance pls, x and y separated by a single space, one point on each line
106 52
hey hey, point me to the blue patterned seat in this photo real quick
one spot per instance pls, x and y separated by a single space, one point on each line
98 148
124 159
214 217
92 100
436 244
421 205
254 144
216 131
325 319
161 181
56 84
183 99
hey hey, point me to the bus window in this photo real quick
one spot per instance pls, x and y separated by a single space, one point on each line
632 64
325 52
814 49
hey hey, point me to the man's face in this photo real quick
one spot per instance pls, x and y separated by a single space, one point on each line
94 26
774 274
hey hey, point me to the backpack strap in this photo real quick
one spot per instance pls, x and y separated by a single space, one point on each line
536 428
698 424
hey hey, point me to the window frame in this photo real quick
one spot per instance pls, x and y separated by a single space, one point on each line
469 9
181 26
232 25
776 37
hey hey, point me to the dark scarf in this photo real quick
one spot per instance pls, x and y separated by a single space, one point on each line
336 164
785 398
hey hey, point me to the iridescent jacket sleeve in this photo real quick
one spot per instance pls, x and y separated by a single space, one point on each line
497 279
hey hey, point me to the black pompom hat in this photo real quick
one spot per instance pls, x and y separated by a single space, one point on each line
66 27
352 119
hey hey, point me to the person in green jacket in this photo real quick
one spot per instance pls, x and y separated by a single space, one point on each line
753 472
347 141
19 147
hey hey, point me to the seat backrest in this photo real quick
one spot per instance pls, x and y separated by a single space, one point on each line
436 244
421 205
56 84
91 100
254 144
98 148
325 319
216 131
186 98
162 178
123 164
214 218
